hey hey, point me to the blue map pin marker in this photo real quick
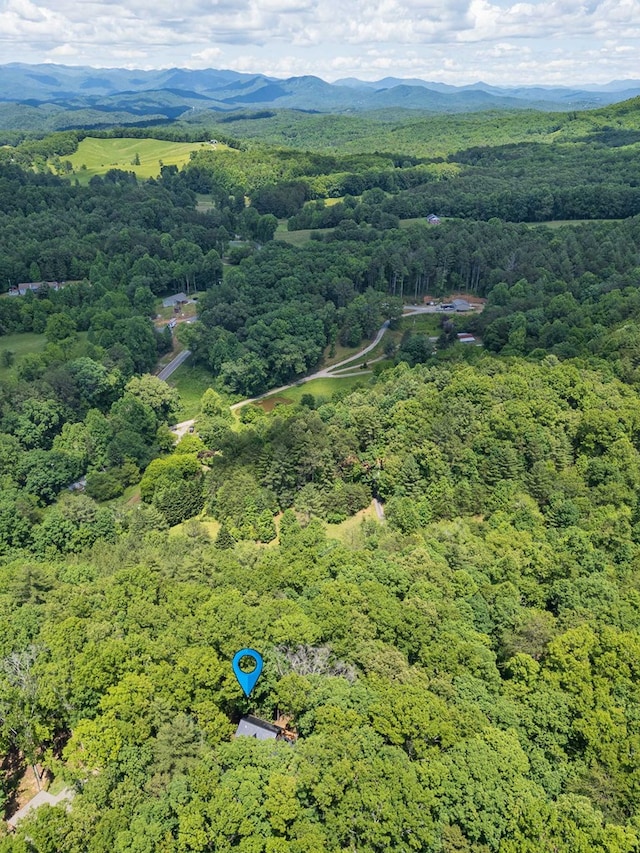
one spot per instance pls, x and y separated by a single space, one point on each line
247 680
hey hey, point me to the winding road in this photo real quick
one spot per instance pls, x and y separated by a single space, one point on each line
324 373
342 366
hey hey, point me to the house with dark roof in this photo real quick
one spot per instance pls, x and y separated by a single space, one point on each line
251 726
254 727
176 299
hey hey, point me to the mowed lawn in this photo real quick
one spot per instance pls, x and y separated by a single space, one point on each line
322 389
20 345
296 238
23 343
100 155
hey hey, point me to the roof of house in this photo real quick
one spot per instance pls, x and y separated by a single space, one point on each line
174 300
461 305
251 726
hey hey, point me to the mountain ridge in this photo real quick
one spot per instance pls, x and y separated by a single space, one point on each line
172 92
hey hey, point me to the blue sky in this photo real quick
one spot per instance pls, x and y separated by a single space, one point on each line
454 41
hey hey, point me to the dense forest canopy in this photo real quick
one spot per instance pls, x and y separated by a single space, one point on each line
462 676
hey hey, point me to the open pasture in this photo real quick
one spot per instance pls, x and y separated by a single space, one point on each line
322 389
97 156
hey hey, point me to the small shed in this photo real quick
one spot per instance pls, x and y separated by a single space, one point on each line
432 219
466 338
462 305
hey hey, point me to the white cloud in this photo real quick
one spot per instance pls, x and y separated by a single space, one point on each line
207 56
455 41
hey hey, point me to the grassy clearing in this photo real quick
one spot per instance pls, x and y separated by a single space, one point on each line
422 323
375 354
340 354
20 345
210 525
190 382
100 155
297 238
204 203
129 498
322 389
348 532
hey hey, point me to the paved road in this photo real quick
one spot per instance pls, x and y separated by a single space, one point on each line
328 372
324 373
183 427
174 364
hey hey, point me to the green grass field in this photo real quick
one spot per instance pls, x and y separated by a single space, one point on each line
100 155
422 323
348 532
22 343
191 383
340 353
322 389
296 238
208 524
204 203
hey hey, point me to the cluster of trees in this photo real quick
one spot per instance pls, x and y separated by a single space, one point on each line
532 182
279 178
559 290
430 135
117 231
477 256
76 418
571 166
272 316
587 317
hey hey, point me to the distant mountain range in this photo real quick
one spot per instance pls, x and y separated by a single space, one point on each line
98 96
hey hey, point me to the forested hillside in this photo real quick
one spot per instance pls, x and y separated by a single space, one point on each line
462 678
462 674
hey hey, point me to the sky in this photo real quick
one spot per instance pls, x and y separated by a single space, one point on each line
553 42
